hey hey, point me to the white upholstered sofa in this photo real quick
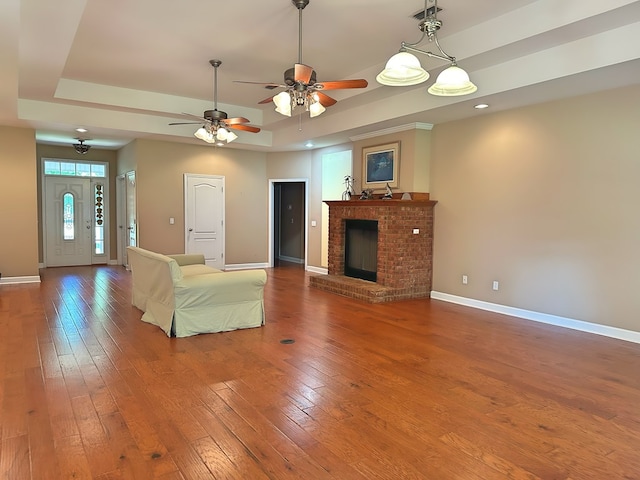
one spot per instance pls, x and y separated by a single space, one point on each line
184 297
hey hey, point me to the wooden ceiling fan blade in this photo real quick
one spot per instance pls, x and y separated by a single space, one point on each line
339 84
246 128
267 85
194 116
302 73
266 100
326 100
236 120
186 123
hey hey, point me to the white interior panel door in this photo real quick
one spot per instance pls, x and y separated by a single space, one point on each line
131 209
126 206
204 217
68 221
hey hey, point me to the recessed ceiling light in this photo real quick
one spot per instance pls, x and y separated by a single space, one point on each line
480 106
309 144
81 130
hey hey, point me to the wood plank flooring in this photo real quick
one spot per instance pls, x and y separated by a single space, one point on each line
419 389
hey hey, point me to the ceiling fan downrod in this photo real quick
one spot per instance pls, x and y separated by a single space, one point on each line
300 4
215 64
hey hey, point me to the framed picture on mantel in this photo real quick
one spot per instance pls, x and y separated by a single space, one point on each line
380 165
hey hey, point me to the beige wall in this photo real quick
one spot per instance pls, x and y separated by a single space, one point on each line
127 158
94 155
160 169
18 203
413 169
545 200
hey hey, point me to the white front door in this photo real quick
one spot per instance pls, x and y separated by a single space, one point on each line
204 217
68 221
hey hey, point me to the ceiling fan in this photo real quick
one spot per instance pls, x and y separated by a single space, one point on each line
217 126
301 87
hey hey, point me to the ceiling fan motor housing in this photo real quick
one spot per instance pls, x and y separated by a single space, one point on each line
290 77
213 115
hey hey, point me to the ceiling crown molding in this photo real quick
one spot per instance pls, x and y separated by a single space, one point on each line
386 131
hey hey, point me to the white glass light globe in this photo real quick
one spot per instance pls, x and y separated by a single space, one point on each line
283 103
451 82
401 70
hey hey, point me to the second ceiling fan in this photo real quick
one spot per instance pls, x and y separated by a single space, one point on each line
301 87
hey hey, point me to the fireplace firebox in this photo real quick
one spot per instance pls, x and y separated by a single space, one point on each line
361 249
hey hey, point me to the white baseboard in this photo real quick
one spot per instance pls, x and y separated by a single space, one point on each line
605 330
14 280
291 259
245 266
320 270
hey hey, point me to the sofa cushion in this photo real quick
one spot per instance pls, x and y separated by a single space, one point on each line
197 269
187 258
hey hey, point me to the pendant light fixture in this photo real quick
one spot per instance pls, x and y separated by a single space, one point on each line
81 148
404 68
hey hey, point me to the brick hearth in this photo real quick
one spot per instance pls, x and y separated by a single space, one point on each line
404 258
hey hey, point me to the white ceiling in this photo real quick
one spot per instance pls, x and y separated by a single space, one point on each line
124 69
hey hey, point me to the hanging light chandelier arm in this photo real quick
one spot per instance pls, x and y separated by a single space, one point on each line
429 27
409 47
452 59
415 44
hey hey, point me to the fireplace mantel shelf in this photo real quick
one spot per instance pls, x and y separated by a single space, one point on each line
379 203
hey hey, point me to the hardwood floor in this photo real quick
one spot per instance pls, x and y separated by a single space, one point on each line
410 390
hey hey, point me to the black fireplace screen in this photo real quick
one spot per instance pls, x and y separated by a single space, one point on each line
361 249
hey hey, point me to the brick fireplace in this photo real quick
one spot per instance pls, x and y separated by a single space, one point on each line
404 258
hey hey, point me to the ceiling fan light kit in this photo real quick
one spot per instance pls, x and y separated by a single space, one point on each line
404 69
301 88
218 137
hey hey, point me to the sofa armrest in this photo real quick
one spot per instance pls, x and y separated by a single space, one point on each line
188 258
220 288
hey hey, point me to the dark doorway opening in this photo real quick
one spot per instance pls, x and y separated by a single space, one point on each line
288 224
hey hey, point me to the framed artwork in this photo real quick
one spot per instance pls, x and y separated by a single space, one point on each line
380 165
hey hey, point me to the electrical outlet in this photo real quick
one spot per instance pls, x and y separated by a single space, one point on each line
496 285
465 279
